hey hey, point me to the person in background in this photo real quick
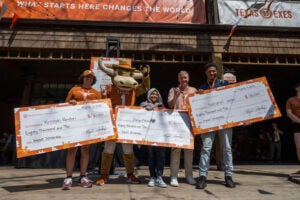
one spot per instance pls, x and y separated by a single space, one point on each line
156 154
263 144
293 112
6 147
225 136
275 142
82 92
177 100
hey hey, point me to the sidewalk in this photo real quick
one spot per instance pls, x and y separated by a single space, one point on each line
254 182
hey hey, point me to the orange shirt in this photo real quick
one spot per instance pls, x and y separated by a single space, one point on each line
119 97
80 94
293 104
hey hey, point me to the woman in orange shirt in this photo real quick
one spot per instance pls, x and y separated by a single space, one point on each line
293 112
83 92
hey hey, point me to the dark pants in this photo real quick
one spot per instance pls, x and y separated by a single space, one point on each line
275 147
156 160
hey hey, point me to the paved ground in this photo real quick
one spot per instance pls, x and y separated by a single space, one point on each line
254 182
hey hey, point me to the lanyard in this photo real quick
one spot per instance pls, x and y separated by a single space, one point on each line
211 85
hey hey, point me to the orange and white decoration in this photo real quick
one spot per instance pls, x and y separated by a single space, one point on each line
152 11
46 128
158 127
232 105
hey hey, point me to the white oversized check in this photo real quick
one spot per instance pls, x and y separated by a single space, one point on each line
46 128
232 105
162 127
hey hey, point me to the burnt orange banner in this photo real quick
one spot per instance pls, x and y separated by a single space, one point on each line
156 11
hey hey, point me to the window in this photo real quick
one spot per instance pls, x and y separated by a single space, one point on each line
47 93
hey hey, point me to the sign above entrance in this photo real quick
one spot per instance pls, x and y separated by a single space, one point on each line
153 11
259 12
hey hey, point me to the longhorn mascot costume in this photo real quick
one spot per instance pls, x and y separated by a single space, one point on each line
124 91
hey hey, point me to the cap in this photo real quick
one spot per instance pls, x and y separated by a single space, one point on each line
88 72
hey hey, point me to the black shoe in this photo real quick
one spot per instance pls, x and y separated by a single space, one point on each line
201 183
229 182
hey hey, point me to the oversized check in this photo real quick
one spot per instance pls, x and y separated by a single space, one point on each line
232 105
47 128
162 127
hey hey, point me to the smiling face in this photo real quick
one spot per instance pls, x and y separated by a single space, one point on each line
88 80
183 79
154 97
211 73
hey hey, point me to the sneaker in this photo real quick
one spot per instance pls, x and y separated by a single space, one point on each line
174 182
67 184
160 182
151 182
190 180
86 182
102 180
132 179
296 173
201 184
229 182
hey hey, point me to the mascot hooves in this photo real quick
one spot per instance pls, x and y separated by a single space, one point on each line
145 70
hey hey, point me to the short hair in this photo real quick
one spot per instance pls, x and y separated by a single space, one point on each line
297 85
208 65
183 72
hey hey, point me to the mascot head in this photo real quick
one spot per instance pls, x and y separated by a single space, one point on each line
123 76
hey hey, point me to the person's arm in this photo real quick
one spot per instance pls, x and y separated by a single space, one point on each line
292 116
146 105
172 97
145 85
268 135
69 98
280 131
5 146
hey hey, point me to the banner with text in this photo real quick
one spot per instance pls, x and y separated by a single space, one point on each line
232 105
162 11
46 128
162 127
259 13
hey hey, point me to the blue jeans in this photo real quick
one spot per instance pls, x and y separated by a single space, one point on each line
225 136
156 160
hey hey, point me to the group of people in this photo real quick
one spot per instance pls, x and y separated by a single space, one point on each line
176 100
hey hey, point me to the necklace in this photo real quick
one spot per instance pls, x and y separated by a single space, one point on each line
182 90
211 84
